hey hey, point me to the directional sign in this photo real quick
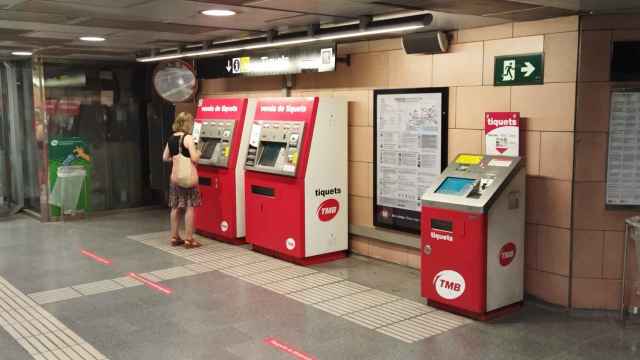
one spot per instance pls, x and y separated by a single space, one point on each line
518 70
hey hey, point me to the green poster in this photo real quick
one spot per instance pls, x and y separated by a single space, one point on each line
69 175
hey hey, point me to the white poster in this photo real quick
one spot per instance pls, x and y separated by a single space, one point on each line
623 164
409 147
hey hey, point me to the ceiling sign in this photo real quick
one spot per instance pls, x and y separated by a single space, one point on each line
518 70
317 58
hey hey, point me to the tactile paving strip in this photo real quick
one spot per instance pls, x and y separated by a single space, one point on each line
37 331
402 319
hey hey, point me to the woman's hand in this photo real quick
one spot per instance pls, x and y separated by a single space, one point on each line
193 149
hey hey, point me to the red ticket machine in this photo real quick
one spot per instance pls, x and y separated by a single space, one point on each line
220 129
473 225
296 180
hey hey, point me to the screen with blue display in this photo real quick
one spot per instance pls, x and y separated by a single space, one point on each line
455 186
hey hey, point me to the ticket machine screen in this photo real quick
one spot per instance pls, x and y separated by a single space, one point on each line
274 147
215 142
456 186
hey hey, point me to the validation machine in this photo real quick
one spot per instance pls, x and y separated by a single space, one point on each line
220 129
473 226
296 180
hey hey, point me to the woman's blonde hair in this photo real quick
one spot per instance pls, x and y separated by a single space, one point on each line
183 123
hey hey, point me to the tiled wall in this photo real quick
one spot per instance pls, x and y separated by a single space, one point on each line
598 232
467 69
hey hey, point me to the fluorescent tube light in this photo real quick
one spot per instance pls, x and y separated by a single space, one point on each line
218 12
22 53
358 33
92 38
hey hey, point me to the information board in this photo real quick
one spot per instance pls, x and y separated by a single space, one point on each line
410 150
623 159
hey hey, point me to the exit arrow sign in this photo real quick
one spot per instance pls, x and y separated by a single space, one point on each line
518 70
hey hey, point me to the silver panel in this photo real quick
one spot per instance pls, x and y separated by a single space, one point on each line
287 134
477 202
216 139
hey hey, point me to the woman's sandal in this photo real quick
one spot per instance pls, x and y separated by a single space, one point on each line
176 241
191 244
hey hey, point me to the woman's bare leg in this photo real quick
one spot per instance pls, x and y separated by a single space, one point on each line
188 223
175 223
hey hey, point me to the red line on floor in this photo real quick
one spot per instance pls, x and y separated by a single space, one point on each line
151 284
95 257
288 349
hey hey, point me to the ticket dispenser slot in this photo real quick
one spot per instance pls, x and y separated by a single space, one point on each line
215 142
274 147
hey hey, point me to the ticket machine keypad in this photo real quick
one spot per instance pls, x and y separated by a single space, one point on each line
274 147
215 142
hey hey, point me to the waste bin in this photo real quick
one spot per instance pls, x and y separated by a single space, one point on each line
630 289
68 188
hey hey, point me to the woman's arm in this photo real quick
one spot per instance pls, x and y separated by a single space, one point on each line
193 150
166 156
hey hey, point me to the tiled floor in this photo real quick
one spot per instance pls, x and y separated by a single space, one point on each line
225 301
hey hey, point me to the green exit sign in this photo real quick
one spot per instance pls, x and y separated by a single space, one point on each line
518 70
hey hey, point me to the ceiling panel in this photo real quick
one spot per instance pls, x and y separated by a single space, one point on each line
467 7
336 8
146 25
117 4
34 17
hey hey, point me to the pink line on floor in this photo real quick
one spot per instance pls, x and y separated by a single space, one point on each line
151 284
95 257
288 349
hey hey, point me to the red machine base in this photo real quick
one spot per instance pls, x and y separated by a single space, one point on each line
476 316
232 241
314 260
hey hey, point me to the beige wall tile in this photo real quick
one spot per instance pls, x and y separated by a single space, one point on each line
409 70
548 287
359 180
547 26
530 145
625 35
531 247
452 118
595 294
590 212
549 202
591 156
361 143
593 102
521 45
548 107
413 258
613 255
556 155
595 50
501 31
464 141
561 57
360 211
213 86
369 70
386 45
352 48
359 244
359 106
388 252
473 102
189 108
263 83
554 249
461 66
630 21
588 246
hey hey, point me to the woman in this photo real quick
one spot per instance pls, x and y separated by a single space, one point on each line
182 200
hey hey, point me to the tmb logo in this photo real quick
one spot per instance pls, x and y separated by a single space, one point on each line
507 254
328 209
449 284
327 192
438 236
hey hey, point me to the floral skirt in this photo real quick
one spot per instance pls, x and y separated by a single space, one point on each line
180 198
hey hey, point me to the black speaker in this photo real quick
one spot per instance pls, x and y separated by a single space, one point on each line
428 42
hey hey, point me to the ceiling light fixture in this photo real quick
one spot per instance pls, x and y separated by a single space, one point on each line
218 12
22 53
92 38
350 31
